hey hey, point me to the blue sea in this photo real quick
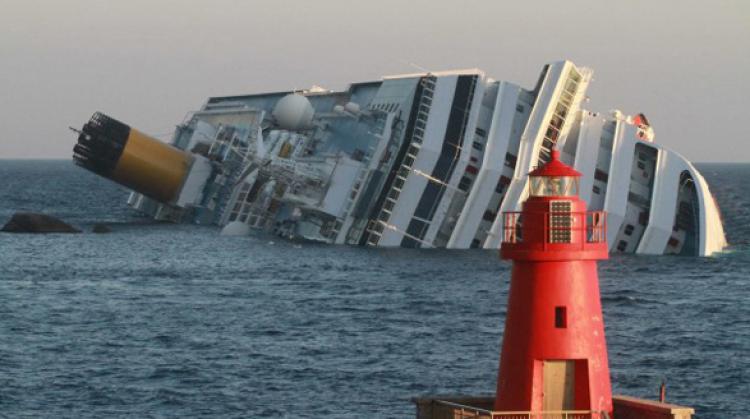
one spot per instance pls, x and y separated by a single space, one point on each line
162 321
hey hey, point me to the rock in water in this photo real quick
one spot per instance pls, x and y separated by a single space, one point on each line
28 222
101 228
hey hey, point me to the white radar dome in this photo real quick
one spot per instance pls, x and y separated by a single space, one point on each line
293 112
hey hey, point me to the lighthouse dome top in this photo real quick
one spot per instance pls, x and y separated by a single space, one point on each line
554 179
555 167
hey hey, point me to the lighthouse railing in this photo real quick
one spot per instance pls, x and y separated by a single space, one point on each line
584 227
462 411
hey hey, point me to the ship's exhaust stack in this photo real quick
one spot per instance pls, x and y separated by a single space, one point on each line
144 164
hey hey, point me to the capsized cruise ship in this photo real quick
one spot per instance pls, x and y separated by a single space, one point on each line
424 160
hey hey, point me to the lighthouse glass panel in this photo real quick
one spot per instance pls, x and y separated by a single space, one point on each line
553 186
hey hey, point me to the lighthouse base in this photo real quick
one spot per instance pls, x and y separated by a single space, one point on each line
473 407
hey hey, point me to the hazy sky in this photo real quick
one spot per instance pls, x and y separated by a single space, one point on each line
148 62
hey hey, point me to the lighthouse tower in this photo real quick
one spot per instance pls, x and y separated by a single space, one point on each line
554 354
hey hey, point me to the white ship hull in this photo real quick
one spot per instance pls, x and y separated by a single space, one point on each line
432 160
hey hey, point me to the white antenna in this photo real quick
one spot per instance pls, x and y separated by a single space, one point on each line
417 66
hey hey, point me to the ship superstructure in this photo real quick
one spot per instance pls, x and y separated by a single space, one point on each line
418 160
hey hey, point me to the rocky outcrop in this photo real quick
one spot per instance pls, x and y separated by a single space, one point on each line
27 222
101 228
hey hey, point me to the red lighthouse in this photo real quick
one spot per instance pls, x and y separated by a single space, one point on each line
554 354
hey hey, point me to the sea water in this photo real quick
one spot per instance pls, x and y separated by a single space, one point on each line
160 320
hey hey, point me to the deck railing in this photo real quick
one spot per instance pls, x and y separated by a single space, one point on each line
460 411
565 227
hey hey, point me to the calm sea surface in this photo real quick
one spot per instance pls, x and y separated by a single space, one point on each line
158 320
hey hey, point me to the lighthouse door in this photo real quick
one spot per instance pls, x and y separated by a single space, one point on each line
558 383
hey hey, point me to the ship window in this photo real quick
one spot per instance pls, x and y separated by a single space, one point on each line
417 228
480 132
596 189
622 245
478 146
556 122
489 216
502 183
519 108
464 184
510 160
561 317
601 175
629 229
572 82
641 165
